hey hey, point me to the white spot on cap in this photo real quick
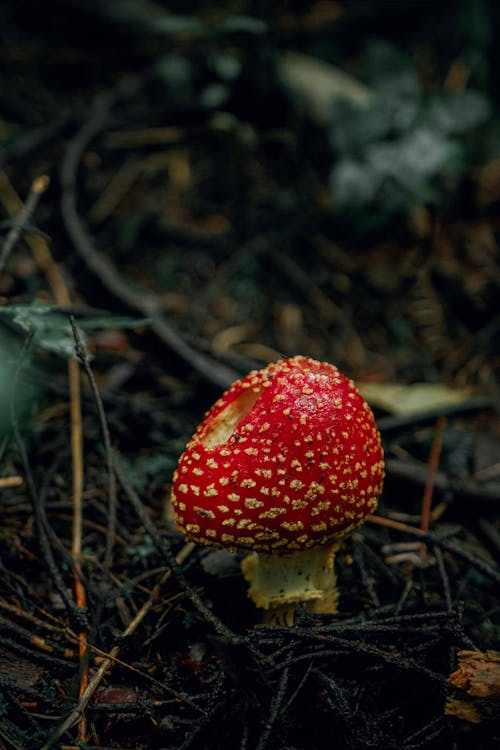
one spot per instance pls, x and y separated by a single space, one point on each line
252 502
210 491
248 483
292 525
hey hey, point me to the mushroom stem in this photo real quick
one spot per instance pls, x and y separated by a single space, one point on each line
279 583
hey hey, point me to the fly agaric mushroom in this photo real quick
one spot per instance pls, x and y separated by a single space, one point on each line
284 465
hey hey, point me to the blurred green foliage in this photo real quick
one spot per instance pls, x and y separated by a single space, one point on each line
401 149
19 389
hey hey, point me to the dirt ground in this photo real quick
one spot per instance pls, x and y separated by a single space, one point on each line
190 191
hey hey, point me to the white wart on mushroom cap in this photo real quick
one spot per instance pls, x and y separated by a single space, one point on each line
289 458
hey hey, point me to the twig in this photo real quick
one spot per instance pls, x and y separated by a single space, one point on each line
35 138
38 187
402 421
47 645
76 539
429 536
431 730
21 614
468 488
397 525
344 645
491 533
338 700
297 690
366 579
146 303
93 684
112 502
409 583
444 577
35 654
274 709
38 245
458 549
425 513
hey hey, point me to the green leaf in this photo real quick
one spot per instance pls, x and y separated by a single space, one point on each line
400 148
395 80
177 75
214 95
19 380
228 67
353 125
456 112
413 159
24 314
176 24
243 25
51 330
353 183
111 322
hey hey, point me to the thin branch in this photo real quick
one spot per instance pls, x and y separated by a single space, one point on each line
416 473
38 187
38 245
433 465
444 578
76 540
274 709
112 501
418 419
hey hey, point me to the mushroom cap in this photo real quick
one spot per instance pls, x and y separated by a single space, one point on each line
287 459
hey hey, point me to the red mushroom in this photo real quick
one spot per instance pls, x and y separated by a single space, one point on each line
284 465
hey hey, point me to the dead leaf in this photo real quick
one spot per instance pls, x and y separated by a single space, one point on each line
397 398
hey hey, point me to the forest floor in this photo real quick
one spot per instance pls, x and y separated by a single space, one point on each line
188 196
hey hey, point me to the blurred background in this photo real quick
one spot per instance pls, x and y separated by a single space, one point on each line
295 177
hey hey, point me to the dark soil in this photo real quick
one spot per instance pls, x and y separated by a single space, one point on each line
195 222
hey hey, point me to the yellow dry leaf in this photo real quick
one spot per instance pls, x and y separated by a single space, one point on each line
397 398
